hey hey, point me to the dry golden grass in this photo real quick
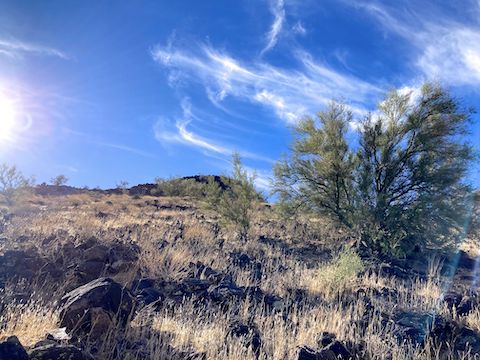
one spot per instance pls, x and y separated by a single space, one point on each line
30 322
170 239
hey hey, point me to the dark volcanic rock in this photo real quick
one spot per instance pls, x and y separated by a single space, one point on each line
58 352
306 353
415 327
20 264
95 307
249 333
329 349
462 304
11 349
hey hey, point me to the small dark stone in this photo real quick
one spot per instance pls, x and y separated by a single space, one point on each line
58 352
306 353
11 349
325 338
249 333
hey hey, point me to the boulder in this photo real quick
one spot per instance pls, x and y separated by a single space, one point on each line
58 352
249 334
334 351
306 353
329 349
462 304
96 306
412 326
415 327
11 349
20 264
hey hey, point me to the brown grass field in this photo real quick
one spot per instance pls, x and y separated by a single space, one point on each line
300 257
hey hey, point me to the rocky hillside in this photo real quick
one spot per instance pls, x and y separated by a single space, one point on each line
111 275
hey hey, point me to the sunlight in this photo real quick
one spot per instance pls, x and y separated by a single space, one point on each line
7 118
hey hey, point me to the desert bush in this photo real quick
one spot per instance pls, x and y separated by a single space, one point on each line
235 205
404 185
335 276
12 183
59 180
181 187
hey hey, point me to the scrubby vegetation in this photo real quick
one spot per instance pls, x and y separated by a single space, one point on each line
202 267
402 187
12 183
198 281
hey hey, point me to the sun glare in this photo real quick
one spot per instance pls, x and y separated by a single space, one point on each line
7 118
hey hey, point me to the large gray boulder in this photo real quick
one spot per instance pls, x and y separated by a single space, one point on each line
93 308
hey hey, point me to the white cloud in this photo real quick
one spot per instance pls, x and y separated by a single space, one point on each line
15 48
179 133
278 10
289 93
299 29
446 49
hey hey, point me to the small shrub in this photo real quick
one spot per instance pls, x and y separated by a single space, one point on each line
12 183
335 276
59 180
235 204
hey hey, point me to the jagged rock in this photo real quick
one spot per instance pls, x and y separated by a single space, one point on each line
249 333
200 270
20 264
325 339
306 353
270 301
241 260
58 352
225 292
334 351
11 349
413 326
459 337
462 304
96 306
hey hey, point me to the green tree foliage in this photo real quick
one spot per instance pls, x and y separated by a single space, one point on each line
319 174
181 187
12 182
59 180
235 204
403 186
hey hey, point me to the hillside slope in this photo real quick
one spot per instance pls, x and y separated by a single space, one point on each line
113 276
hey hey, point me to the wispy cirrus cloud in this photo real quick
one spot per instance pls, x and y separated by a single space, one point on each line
180 133
99 142
445 48
289 93
277 7
299 28
15 48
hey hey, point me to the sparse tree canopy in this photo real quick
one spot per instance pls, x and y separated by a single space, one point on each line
404 185
235 204
319 174
59 180
11 182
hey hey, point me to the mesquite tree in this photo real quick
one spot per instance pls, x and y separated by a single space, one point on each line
403 185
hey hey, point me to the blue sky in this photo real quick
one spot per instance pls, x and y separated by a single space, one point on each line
105 91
